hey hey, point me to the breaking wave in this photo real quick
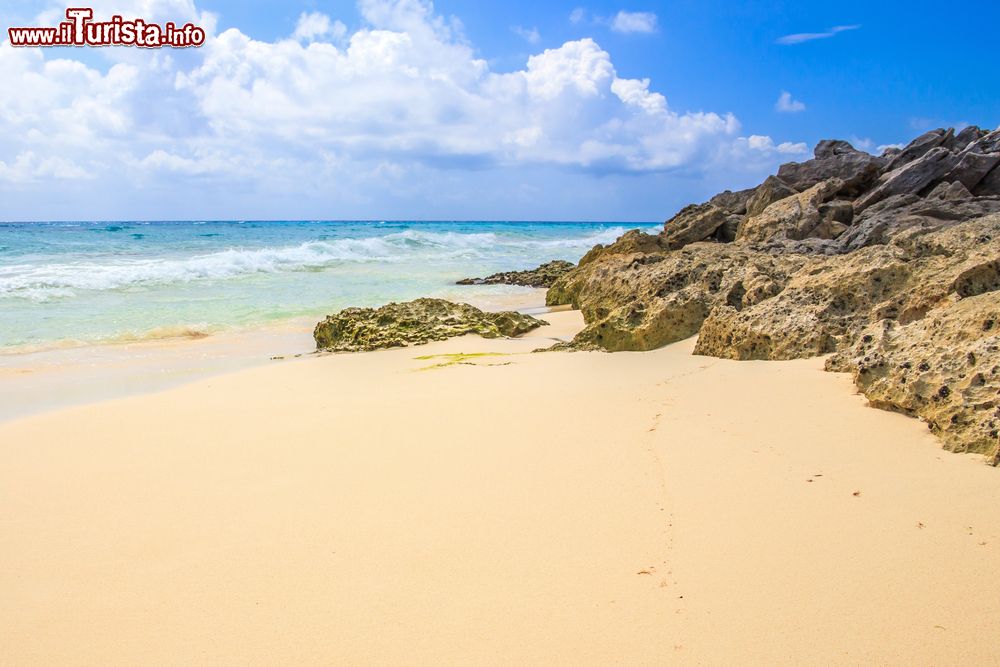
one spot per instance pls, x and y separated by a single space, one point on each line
41 282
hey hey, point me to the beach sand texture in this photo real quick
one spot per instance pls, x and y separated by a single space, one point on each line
514 508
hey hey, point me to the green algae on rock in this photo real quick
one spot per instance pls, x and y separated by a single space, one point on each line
414 323
543 276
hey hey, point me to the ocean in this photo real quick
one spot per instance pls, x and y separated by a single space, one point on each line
80 283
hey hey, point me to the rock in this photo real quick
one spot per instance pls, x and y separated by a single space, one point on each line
972 167
640 302
990 185
414 323
911 178
831 148
543 276
918 148
944 369
820 309
771 190
795 217
965 137
949 191
696 222
987 143
630 242
892 217
732 202
858 170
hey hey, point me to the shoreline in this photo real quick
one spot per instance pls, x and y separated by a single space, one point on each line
536 508
38 381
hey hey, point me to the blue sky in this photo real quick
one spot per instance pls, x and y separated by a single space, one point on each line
471 110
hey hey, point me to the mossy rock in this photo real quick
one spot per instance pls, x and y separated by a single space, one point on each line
414 323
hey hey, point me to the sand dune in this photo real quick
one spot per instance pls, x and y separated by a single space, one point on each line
512 508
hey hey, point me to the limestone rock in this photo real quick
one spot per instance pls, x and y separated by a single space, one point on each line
629 242
834 159
696 222
990 185
907 213
795 217
543 276
972 167
640 302
911 178
944 369
918 148
771 190
732 202
414 323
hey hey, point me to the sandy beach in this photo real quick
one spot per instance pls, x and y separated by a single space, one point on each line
410 507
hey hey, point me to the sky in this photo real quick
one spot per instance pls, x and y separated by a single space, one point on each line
463 110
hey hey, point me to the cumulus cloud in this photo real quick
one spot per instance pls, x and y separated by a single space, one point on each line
628 22
403 98
315 25
578 15
787 104
800 37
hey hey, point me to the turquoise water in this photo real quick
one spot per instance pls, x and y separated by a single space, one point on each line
90 282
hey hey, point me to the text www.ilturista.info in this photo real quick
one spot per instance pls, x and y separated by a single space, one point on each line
81 30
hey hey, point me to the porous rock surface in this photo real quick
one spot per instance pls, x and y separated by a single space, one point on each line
543 276
884 261
414 323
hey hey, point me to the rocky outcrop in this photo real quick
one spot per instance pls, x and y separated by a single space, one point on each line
824 254
944 369
543 276
414 323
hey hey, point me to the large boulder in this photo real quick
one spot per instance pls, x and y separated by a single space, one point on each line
771 190
640 302
920 147
911 178
543 276
834 159
892 217
414 323
944 369
990 185
630 242
795 217
693 223
821 308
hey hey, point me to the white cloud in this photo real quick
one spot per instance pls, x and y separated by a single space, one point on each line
578 15
333 117
529 35
629 22
800 37
314 25
787 104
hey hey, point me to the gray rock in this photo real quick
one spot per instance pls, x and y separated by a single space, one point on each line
733 202
768 192
949 191
857 169
832 147
543 276
972 167
890 218
911 178
918 148
693 223
990 185
965 137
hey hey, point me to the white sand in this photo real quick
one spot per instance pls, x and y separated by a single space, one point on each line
584 508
